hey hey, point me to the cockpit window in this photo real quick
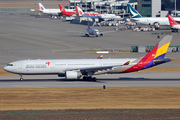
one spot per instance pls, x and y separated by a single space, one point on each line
9 64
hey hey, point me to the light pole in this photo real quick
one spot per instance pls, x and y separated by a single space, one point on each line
175 7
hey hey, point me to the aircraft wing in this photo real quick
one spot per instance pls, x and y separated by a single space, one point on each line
108 31
76 32
97 69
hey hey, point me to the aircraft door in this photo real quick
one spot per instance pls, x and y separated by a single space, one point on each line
20 65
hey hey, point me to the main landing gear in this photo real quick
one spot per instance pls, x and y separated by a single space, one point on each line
89 78
21 79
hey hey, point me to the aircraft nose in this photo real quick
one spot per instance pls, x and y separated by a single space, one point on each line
5 68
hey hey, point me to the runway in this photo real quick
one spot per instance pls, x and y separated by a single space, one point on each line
162 79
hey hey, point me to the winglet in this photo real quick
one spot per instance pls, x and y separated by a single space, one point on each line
41 7
171 20
127 63
100 57
133 12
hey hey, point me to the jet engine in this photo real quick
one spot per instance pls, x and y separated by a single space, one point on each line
86 34
101 34
73 74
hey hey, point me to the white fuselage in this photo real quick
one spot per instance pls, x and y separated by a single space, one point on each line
152 20
104 16
92 31
51 11
55 11
60 66
175 26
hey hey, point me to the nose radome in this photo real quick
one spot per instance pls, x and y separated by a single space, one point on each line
5 68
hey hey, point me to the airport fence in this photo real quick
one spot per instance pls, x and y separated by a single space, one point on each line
149 48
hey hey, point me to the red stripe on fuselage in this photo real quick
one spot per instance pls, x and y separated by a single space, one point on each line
144 61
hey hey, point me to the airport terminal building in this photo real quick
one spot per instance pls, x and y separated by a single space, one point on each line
147 8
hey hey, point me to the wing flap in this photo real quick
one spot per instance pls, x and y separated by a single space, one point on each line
97 69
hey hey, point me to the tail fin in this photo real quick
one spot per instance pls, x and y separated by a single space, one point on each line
133 12
41 7
172 21
79 11
155 57
100 57
61 8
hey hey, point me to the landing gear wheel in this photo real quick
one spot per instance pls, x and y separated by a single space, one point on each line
94 79
21 79
96 35
84 78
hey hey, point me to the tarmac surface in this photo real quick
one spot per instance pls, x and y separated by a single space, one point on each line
138 79
22 36
25 37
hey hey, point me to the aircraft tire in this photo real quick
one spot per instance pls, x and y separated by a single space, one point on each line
94 79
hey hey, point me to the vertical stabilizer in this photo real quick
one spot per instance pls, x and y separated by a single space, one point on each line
61 8
133 12
155 57
79 11
41 7
172 21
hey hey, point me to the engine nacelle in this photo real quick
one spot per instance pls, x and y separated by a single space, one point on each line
101 34
72 74
86 34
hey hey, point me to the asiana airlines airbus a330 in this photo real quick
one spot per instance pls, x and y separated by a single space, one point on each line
86 68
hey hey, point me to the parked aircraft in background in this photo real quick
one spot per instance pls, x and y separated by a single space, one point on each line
92 31
174 25
48 11
136 17
95 15
67 12
86 68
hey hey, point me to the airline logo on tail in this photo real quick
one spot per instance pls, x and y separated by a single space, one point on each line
172 21
133 12
154 57
41 7
61 8
78 11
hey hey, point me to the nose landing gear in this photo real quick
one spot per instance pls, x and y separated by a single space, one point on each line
21 79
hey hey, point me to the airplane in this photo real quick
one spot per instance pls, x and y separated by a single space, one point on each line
52 11
136 17
95 15
86 68
66 12
92 31
174 25
48 11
